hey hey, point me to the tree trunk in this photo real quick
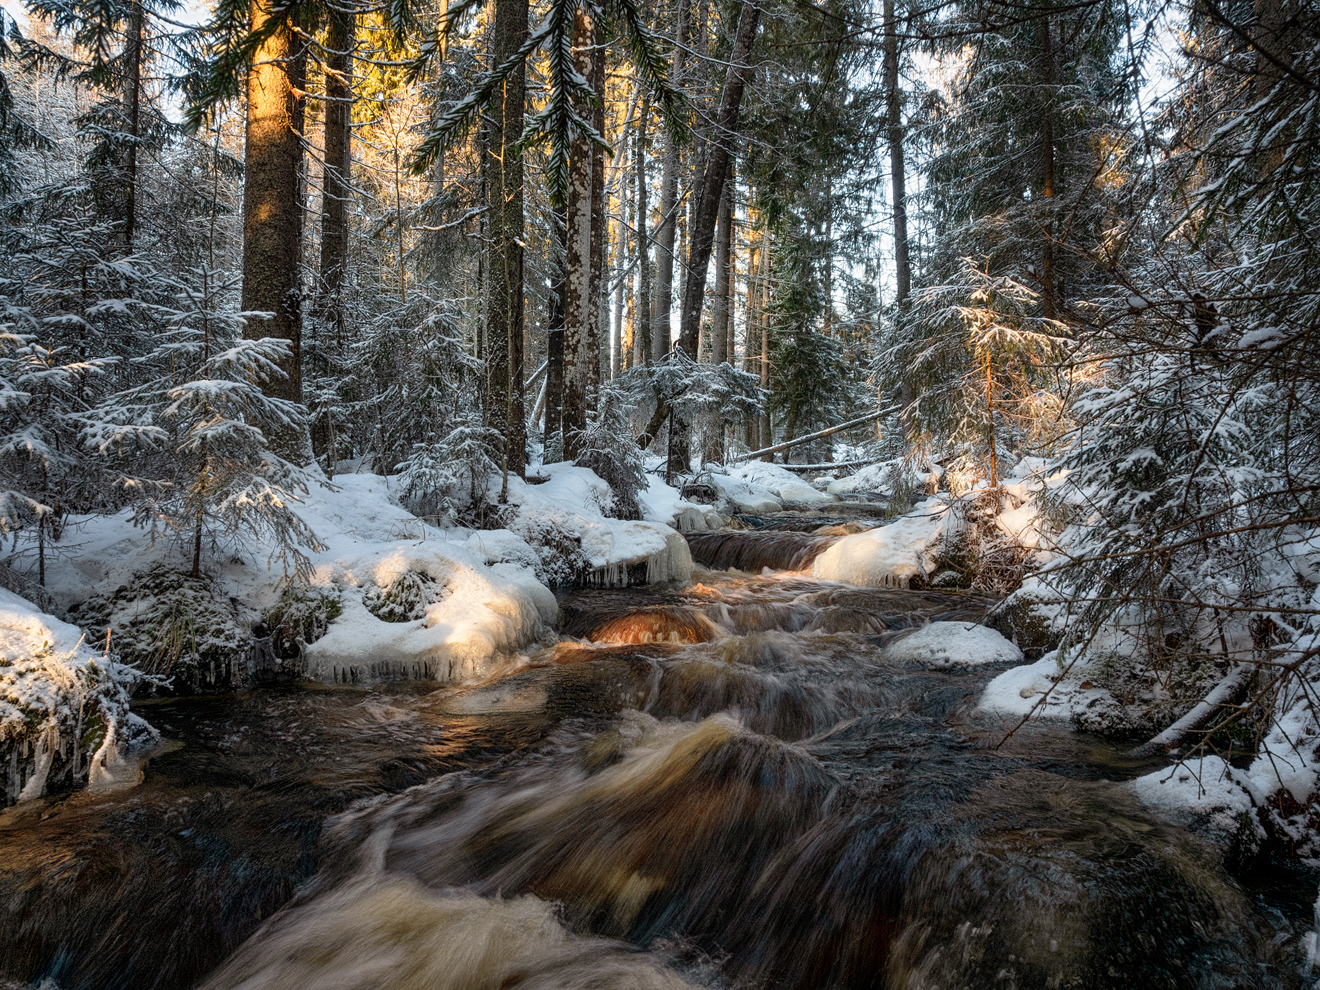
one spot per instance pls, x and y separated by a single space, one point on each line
554 347
336 182
719 313
136 23
577 262
599 344
664 256
505 411
643 342
272 214
702 235
897 160
1048 303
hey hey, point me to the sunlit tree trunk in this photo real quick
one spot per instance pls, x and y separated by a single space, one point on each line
272 209
643 342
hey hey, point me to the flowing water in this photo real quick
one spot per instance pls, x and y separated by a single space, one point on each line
727 784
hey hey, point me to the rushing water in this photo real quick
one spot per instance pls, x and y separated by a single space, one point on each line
726 784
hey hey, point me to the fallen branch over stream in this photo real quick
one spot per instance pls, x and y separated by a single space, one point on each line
1224 693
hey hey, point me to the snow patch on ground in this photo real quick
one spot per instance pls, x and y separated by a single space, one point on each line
784 484
954 644
1205 783
741 495
572 498
63 707
889 556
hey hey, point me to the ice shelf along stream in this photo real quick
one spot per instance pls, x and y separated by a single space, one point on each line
732 783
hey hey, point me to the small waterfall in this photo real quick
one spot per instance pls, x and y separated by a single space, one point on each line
781 550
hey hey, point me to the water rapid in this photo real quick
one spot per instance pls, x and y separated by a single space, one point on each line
729 784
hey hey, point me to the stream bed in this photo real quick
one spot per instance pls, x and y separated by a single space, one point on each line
724 784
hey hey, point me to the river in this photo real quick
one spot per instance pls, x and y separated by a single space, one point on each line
732 786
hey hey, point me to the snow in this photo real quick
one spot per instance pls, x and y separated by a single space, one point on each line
1205 783
572 498
954 644
53 689
889 556
779 482
1026 690
662 503
880 478
741 495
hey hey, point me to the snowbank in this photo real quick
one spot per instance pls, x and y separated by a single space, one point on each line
889 556
741 495
1206 783
662 503
953 644
618 551
880 478
783 484
64 715
1026 690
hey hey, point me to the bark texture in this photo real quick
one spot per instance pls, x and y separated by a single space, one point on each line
578 353
504 181
337 181
272 208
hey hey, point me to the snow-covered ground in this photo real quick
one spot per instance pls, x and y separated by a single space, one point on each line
888 556
64 715
489 599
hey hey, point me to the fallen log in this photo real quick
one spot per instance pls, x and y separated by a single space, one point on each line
868 418
1224 693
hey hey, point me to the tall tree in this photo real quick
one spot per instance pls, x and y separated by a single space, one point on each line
272 202
578 352
669 206
337 180
504 183
701 238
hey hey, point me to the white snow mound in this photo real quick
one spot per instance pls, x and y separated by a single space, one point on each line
889 556
58 699
784 484
954 644
1203 784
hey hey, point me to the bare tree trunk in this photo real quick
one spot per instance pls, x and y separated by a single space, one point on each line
133 54
505 410
719 313
599 344
702 235
664 255
554 347
336 186
897 159
644 341
272 213
1048 303
616 309
577 263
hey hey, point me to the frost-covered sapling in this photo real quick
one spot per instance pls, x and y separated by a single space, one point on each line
452 477
607 447
215 424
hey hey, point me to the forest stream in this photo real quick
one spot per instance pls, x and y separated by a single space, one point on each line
722 784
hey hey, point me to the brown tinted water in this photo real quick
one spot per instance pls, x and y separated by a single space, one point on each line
724 784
